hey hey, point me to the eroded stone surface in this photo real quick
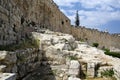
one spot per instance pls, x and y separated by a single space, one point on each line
7 76
58 63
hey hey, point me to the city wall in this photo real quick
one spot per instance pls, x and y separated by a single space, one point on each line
19 17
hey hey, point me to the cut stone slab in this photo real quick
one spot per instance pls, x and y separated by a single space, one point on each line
91 69
74 64
74 68
74 72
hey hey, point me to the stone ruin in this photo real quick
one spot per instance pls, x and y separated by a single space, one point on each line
56 60
59 56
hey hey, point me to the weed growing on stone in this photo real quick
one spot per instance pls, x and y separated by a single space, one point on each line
107 73
72 58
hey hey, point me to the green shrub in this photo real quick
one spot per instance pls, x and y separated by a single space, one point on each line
114 54
95 45
108 73
72 58
81 40
106 50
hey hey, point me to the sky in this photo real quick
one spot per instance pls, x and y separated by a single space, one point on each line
99 14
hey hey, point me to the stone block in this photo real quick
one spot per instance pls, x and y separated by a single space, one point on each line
91 69
74 64
74 68
74 72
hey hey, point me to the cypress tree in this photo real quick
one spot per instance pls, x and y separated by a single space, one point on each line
77 22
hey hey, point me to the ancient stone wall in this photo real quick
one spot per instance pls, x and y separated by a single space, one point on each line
59 57
18 17
45 13
9 22
21 62
91 36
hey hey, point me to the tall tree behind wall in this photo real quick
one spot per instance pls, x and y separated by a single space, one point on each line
77 21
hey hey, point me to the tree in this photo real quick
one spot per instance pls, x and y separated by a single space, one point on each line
77 22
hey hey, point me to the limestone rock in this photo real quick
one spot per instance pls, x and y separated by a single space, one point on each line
3 55
74 72
2 68
67 47
91 69
117 71
74 64
104 68
7 76
59 46
74 68
8 57
73 78
55 55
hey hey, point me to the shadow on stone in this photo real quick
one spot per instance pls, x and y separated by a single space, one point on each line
43 72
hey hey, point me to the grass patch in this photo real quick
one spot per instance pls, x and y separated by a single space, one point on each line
81 40
107 73
72 58
27 43
114 54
